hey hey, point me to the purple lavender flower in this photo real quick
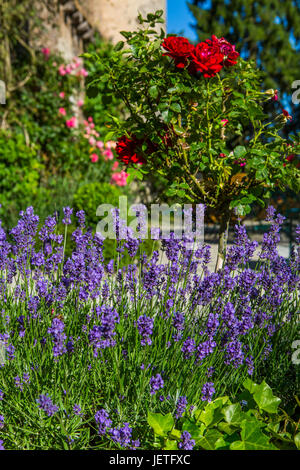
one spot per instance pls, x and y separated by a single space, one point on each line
186 442
1 421
67 215
145 328
156 383
1 394
103 421
46 404
188 348
181 406
77 410
1 445
207 391
122 435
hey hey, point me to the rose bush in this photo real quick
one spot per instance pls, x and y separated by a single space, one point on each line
222 149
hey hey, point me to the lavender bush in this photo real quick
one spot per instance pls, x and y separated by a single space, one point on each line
91 347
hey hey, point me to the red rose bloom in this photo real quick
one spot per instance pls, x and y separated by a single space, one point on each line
126 150
227 49
179 48
207 59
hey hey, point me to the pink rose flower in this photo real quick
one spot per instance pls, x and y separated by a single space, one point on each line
92 141
71 122
62 111
108 155
80 103
120 179
94 157
46 52
99 144
62 94
61 70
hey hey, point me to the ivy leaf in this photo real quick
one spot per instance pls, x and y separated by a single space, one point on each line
233 414
263 396
161 424
208 441
252 437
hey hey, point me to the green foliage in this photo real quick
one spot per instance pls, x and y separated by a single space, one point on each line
20 170
256 424
180 116
89 196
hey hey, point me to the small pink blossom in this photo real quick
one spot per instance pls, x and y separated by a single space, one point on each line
61 70
83 72
223 155
115 166
90 119
120 179
71 122
92 141
99 144
62 111
94 157
110 144
80 103
62 94
46 52
108 155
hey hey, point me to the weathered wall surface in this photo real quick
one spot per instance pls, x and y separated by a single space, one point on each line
77 20
111 16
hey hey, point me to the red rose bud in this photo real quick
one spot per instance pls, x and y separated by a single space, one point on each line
207 59
179 49
286 115
227 49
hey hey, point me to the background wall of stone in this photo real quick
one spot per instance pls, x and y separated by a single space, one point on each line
77 20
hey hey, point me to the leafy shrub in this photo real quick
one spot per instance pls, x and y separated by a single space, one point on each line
90 196
253 422
20 172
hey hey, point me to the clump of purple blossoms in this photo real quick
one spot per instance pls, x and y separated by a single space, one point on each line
102 336
1 445
46 404
103 421
181 406
156 383
1 421
59 337
207 391
186 442
145 329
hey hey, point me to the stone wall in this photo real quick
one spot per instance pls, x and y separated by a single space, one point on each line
77 20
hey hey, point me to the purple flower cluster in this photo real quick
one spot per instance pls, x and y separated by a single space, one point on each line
207 391
186 441
46 404
145 328
156 383
59 337
181 406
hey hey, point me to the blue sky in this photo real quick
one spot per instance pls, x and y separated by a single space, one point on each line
179 18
